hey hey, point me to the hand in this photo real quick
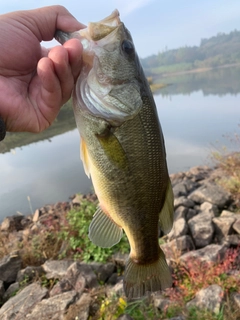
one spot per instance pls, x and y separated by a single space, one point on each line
34 81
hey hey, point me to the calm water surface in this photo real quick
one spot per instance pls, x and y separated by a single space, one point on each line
195 112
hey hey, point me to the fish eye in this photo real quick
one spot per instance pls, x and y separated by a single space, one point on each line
127 47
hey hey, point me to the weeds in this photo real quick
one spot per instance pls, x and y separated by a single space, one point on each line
229 163
76 234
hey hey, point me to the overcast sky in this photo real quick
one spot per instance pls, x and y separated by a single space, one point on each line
154 24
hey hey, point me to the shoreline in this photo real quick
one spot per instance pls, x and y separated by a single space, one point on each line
205 235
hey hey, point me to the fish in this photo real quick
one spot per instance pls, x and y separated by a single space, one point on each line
122 149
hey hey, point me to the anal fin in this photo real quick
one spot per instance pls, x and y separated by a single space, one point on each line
166 214
103 232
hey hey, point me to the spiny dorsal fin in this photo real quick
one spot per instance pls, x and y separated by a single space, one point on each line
84 157
166 214
103 232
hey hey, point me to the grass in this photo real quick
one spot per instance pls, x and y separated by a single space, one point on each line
229 163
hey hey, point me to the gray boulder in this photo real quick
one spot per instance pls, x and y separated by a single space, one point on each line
56 269
209 298
9 267
201 229
223 226
212 193
20 305
52 308
183 201
210 254
236 226
177 247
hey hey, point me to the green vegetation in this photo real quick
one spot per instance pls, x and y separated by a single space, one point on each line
76 235
222 49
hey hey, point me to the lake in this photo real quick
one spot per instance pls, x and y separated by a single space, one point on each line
195 111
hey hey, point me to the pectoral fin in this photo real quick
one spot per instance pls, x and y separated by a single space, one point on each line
113 149
166 214
85 157
103 232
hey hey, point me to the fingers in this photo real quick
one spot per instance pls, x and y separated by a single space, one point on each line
45 21
59 71
74 48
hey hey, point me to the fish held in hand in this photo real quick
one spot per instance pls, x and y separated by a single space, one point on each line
122 149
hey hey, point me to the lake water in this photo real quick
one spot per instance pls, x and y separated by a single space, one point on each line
195 111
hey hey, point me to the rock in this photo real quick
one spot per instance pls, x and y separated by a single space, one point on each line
12 223
180 228
236 226
179 190
191 185
210 254
183 201
52 308
117 289
208 207
226 213
80 309
56 269
236 299
201 229
11 290
113 279
160 302
30 273
78 270
20 305
61 287
191 213
211 193
223 226
231 240
177 177
180 212
120 258
2 290
198 173
103 271
209 298
77 200
177 247
9 267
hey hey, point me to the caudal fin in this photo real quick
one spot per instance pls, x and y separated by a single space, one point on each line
140 279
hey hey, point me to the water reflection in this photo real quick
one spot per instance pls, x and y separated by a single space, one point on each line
219 82
46 167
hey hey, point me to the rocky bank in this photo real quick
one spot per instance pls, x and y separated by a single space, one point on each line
206 226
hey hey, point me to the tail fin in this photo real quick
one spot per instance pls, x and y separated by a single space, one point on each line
142 278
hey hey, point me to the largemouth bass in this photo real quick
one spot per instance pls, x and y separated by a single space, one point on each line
122 149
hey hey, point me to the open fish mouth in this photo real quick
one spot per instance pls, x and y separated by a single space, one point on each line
95 31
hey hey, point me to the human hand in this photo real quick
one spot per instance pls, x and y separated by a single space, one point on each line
34 81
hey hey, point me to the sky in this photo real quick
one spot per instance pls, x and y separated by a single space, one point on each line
155 25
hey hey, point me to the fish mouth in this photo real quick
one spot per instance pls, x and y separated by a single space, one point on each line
99 30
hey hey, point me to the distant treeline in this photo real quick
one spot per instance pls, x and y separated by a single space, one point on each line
213 52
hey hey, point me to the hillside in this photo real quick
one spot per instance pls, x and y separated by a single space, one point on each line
222 49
